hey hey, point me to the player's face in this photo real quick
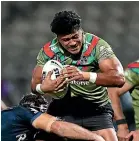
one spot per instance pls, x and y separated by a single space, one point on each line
72 42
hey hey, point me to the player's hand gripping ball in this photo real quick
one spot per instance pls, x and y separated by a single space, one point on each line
56 67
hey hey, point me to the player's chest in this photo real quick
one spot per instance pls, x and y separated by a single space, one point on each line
84 63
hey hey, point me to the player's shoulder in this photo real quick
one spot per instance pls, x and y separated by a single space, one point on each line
100 41
11 113
10 109
19 110
50 47
103 42
132 67
90 36
134 64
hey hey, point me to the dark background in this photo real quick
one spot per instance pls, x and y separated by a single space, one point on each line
25 28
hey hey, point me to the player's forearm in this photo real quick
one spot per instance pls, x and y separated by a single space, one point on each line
36 78
72 131
109 80
33 87
34 83
49 123
116 105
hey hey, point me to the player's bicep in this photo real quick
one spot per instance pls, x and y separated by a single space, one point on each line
103 51
37 72
111 65
106 58
44 122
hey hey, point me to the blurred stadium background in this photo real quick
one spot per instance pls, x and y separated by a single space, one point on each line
25 28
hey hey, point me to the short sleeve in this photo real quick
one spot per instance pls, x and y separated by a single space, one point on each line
28 115
131 77
103 50
41 58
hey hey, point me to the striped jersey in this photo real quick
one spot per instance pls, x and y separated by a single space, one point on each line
94 49
132 77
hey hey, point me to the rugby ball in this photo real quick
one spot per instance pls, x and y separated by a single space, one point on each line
56 67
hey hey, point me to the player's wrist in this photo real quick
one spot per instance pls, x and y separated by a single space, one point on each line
121 122
92 77
39 89
86 75
122 127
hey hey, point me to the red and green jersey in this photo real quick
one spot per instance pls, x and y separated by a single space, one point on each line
94 50
132 77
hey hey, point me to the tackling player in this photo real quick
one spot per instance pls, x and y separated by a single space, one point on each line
93 67
20 123
132 85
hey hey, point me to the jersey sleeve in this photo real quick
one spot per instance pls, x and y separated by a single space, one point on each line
131 77
41 58
103 50
28 115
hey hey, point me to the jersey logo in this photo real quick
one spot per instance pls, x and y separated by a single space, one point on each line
83 60
76 82
34 110
21 137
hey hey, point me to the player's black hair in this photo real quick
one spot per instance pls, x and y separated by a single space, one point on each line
37 102
65 22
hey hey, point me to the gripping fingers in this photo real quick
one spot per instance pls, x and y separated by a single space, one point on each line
74 78
69 75
70 71
61 85
59 80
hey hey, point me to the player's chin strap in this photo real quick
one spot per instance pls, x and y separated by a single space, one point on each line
50 122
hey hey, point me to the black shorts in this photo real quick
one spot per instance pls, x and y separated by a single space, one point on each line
83 112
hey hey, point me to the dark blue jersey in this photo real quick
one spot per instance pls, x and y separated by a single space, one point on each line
16 124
